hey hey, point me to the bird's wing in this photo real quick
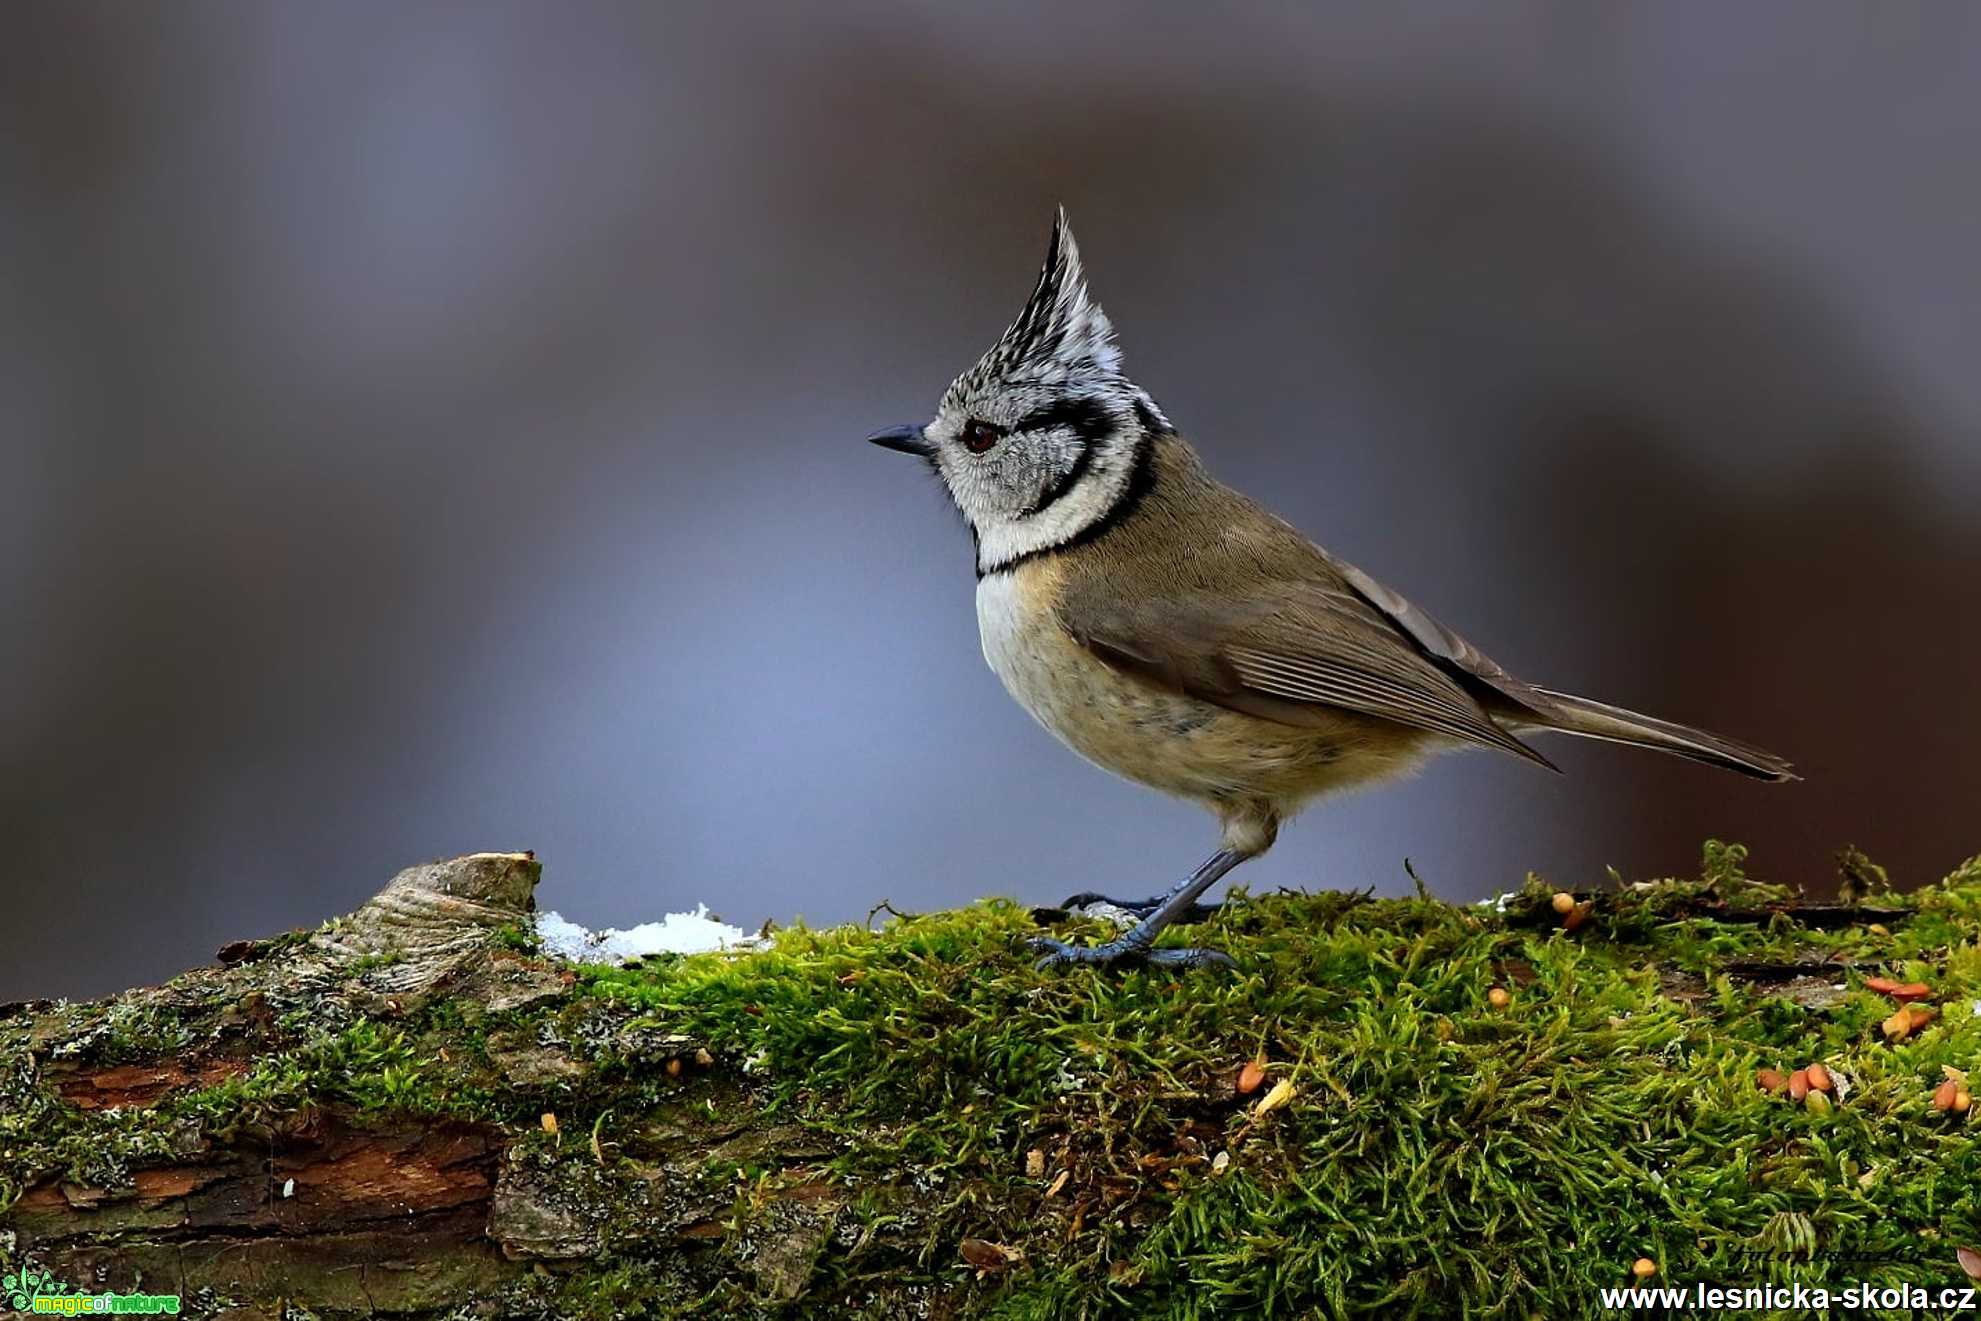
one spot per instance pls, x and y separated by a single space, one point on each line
1444 648
1527 706
1287 647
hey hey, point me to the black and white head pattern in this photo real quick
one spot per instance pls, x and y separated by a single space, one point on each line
1044 440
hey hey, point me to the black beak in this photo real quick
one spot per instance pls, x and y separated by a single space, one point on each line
908 440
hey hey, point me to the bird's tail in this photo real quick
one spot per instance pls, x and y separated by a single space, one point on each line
1591 719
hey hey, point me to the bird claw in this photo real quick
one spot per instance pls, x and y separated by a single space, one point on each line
1119 953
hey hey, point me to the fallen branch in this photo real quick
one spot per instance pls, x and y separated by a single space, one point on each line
1392 1103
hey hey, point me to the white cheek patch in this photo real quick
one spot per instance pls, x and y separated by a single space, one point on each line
1104 485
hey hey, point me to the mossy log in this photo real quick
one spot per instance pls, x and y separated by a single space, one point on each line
1391 1107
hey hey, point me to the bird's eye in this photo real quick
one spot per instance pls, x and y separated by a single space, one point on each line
978 437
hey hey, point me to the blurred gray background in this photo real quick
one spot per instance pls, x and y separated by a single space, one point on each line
432 427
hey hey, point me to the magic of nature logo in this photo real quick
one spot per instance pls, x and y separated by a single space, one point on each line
38 1291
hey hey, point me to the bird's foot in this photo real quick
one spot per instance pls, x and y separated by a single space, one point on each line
1139 907
1120 953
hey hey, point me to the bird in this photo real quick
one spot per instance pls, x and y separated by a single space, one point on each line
1175 632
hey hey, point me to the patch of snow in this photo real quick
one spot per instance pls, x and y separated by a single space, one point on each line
1107 912
676 933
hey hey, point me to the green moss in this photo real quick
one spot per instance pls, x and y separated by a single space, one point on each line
1437 1150
518 937
873 1097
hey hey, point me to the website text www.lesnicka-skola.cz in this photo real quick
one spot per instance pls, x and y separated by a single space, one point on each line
1950 1300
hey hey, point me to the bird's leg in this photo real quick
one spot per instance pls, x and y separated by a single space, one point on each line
1137 945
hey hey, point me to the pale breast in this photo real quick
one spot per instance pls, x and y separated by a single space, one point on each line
1169 741
1025 646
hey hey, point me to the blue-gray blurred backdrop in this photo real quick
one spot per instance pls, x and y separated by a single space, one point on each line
436 426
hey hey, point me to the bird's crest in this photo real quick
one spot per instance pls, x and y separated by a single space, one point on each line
1062 337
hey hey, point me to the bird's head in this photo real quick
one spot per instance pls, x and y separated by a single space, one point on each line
1043 438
